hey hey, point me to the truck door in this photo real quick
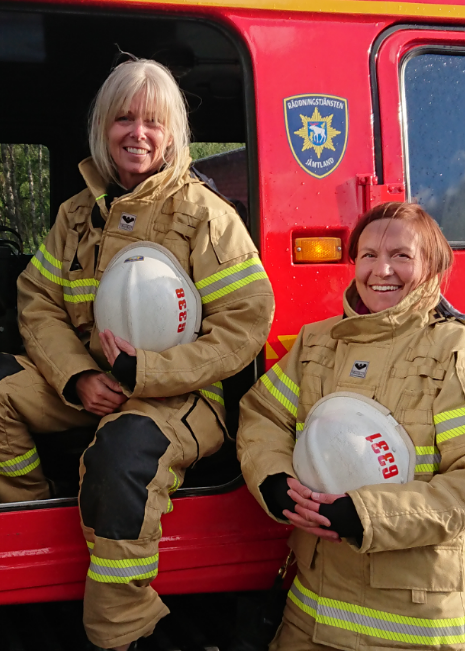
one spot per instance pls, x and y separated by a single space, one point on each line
418 77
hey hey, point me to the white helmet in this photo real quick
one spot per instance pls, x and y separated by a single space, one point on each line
350 441
146 298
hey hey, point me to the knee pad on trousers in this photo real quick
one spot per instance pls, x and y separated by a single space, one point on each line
9 365
119 466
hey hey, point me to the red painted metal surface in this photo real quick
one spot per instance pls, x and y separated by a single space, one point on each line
210 544
226 542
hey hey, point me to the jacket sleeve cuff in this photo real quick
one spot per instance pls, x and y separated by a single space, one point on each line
365 520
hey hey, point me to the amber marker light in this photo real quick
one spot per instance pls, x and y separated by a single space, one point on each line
317 249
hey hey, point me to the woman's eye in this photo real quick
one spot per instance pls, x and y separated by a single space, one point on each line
122 118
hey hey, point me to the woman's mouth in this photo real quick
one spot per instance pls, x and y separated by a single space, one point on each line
385 288
136 150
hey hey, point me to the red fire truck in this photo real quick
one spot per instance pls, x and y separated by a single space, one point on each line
341 104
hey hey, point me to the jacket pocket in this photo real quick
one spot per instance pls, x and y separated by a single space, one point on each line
303 545
198 429
229 238
435 568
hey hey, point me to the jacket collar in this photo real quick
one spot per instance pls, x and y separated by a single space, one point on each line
413 313
151 188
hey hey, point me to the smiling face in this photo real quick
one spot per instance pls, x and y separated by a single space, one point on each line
388 265
136 144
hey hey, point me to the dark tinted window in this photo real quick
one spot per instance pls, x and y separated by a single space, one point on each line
434 121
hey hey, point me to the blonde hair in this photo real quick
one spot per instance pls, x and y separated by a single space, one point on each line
164 103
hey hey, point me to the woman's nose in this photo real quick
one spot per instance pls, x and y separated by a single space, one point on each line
138 129
382 268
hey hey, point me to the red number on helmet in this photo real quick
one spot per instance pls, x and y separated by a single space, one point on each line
373 437
380 446
180 293
390 472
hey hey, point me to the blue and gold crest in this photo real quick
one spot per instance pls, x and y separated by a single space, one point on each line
317 127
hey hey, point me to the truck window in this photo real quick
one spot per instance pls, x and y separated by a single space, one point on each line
24 193
433 86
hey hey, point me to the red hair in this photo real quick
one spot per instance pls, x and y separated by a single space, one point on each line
436 254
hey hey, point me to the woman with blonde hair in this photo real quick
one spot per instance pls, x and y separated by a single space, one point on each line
379 563
157 412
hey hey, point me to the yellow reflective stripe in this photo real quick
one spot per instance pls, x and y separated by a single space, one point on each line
286 380
79 298
238 284
71 284
124 562
105 570
54 279
90 545
428 458
227 272
214 391
449 424
299 427
101 197
229 280
448 415
289 402
49 257
20 465
377 623
212 396
175 485
169 506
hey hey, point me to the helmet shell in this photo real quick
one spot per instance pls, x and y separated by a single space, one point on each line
146 298
349 441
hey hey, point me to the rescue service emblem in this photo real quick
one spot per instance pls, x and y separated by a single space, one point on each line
359 369
317 127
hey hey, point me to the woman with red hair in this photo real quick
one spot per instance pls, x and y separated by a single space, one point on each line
381 566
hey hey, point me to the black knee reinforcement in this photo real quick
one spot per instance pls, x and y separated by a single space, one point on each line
119 466
9 365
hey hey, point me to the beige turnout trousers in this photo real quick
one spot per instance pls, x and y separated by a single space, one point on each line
28 404
137 459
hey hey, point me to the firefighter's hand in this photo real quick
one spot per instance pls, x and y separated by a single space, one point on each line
99 393
307 506
112 346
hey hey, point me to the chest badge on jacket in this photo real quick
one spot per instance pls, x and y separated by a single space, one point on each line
127 222
359 369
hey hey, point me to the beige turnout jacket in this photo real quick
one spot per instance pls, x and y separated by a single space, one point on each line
57 290
404 587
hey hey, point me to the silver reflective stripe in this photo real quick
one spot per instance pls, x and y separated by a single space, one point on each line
451 423
377 623
282 388
20 465
127 572
214 392
220 284
51 267
428 459
80 290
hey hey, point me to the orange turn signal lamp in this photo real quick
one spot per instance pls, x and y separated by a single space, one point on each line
317 249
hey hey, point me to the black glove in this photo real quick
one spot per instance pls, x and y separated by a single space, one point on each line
125 369
274 490
344 518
